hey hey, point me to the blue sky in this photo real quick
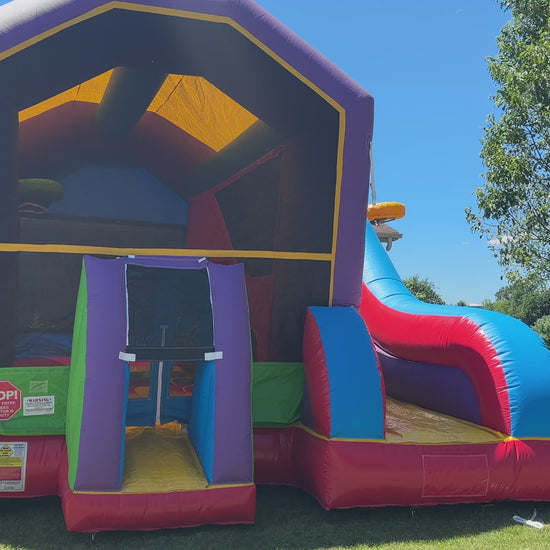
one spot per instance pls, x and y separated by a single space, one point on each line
424 63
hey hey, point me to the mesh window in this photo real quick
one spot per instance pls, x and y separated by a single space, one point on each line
169 313
45 301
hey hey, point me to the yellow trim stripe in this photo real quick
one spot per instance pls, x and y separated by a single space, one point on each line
183 252
337 198
104 9
207 488
226 20
498 438
300 426
50 32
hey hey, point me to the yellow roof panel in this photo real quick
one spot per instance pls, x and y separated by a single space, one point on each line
189 102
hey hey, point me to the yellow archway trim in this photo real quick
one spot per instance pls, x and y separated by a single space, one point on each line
180 252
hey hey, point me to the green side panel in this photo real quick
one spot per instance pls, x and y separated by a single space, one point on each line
43 403
75 398
277 392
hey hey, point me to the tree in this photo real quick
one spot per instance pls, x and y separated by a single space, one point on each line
513 204
524 299
542 326
423 289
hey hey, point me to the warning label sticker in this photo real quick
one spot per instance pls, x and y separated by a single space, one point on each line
39 405
13 462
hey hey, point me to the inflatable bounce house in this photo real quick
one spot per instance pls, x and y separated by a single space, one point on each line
184 188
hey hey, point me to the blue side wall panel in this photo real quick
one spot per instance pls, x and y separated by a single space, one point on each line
356 400
202 420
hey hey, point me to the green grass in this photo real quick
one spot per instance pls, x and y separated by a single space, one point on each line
287 519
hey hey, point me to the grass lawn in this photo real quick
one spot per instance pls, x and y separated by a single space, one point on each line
288 519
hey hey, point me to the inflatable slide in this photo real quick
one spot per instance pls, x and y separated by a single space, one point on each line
183 204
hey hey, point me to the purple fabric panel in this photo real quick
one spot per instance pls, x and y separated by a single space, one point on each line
352 219
233 424
229 8
101 439
20 21
436 387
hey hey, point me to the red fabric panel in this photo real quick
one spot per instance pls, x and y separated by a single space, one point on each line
348 474
44 457
90 513
452 341
316 372
440 474
206 227
338 474
532 481
312 466
274 456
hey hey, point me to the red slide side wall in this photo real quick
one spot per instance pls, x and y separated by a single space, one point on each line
453 341
317 379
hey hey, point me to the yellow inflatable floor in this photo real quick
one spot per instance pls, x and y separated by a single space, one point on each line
407 423
160 459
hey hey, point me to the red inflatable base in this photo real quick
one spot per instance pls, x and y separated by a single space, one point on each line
346 474
91 513
42 461
339 474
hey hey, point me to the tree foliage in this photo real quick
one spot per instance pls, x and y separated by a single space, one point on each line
513 205
527 300
423 289
524 299
542 326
